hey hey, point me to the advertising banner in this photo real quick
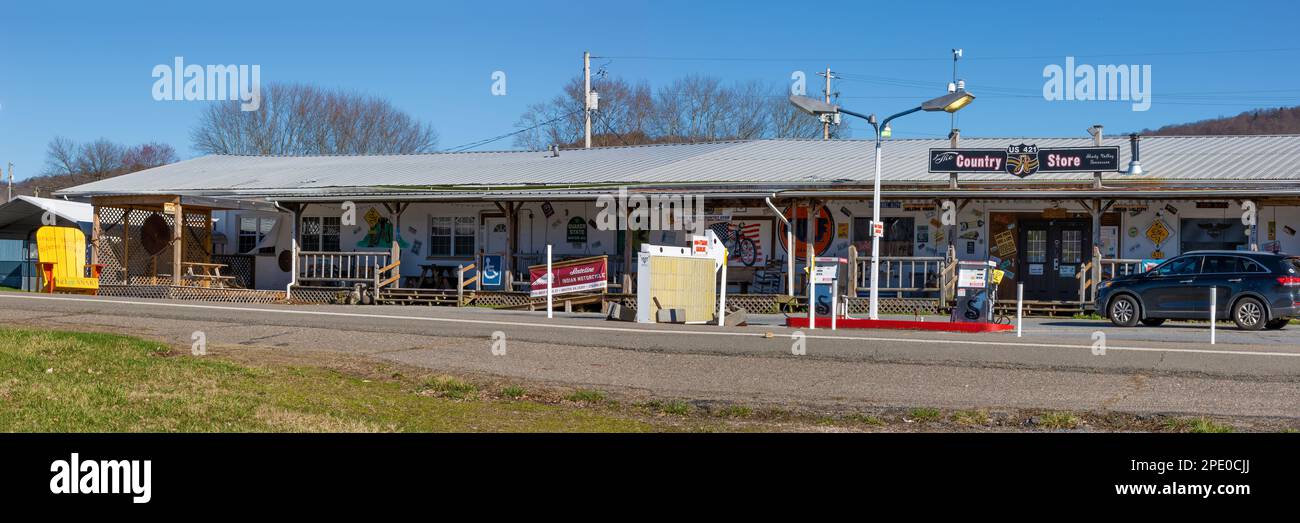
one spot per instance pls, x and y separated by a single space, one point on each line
582 274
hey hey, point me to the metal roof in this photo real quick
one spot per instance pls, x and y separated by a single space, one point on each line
774 163
24 214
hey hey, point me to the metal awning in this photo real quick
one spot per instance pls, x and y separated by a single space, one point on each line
1051 194
24 214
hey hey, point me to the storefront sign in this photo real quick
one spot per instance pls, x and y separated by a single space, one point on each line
1055 213
577 231
1024 160
582 274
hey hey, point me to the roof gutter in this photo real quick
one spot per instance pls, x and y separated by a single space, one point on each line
293 250
789 242
1148 194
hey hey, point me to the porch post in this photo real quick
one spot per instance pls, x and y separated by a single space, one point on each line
95 234
810 237
294 227
178 240
1096 222
126 245
508 261
512 242
395 250
628 251
852 289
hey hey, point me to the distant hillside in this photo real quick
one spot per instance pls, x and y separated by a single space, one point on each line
1283 120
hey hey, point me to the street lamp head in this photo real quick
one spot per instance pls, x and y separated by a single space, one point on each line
813 106
951 102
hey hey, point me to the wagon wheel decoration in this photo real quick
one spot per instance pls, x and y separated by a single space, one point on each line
155 234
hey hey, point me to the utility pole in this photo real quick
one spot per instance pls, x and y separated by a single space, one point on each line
956 55
11 183
826 125
586 97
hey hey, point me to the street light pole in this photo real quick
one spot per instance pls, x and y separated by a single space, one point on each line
951 103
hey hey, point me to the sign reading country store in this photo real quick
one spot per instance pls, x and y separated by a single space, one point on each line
1024 160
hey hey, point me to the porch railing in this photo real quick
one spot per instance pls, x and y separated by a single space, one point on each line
1099 269
901 274
462 283
315 267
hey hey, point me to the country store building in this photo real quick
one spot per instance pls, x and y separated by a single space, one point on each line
278 224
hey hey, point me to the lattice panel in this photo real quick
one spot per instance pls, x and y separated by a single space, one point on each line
242 266
109 246
192 293
895 305
122 252
500 299
197 236
142 268
319 294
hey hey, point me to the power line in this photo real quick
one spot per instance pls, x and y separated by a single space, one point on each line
486 141
935 59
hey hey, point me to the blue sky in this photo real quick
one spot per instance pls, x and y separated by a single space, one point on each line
82 70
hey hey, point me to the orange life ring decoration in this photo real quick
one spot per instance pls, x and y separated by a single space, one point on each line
825 231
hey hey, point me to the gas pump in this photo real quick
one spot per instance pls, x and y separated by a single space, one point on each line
974 297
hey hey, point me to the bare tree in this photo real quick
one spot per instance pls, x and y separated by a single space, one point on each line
68 163
299 119
100 159
146 156
60 157
689 109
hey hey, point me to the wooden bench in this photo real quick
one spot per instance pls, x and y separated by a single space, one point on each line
207 274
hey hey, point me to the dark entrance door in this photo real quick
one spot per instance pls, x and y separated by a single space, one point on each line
1052 253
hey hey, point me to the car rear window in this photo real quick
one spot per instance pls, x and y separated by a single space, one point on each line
1222 264
1291 265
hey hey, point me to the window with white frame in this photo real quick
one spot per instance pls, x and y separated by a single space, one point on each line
320 233
452 236
252 230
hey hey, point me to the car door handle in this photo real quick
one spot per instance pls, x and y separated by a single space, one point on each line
1186 281
1235 280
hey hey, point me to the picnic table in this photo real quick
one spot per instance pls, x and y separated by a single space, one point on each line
207 274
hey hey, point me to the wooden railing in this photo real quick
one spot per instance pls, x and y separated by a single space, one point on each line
1099 269
387 275
462 283
345 267
902 273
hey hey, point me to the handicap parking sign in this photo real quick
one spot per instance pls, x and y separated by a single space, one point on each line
492 274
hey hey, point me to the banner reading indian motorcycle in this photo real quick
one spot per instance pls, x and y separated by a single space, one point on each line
581 274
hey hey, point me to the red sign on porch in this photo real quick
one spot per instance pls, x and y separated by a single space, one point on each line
582 274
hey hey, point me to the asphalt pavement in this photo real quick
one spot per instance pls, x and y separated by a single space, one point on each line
1058 363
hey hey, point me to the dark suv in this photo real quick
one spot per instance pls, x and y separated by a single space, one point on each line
1257 290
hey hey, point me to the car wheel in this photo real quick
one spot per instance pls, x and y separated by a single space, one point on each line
1277 323
1249 314
1123 311
1153 322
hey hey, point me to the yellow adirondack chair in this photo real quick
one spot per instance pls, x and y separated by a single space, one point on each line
62 256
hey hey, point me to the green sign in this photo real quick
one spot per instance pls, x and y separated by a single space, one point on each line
577 232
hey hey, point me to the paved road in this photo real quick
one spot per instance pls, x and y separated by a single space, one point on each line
1168 369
